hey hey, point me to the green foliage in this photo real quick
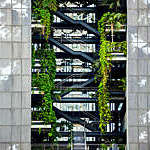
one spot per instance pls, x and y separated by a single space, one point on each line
42 10
69 126
113 4
70 129
121 147
44 81
117 19
118 47
103 147
40 131
103 95
123 85
106 47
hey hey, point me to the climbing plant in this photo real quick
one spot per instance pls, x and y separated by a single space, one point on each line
43 80
112 4
106 47
103 147
123 84
70 130
118 47
42 10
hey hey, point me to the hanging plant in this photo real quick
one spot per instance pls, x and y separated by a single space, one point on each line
102 93
44 81
42 10
114 20
103 146
115 5
70 130
123 84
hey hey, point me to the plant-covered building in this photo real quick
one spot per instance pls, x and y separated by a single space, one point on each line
87 49
80 69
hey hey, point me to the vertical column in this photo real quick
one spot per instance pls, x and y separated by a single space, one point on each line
138 74
15 74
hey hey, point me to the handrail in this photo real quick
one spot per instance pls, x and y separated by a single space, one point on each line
70 51
74 119
81 23
73 75
77 85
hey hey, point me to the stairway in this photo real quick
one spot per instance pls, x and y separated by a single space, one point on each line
79 141
77 22
66 49
74 120
78 86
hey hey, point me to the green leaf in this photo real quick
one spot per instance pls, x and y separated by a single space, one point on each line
40 131
118 25
50 134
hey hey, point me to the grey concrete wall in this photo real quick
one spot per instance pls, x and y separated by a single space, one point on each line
138 74
15 74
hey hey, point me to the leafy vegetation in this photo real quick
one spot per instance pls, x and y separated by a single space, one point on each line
44 81
114 20
42 10
113 4
70 130
105 147
123 84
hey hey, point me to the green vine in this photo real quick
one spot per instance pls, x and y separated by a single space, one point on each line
44 81
103 147
123 84
106 47
70 130
113 5
69 126
42 10
118 47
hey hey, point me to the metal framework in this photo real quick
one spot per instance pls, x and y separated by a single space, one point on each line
76 41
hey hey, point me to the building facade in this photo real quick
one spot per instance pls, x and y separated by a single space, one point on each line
15 74
74 43
138 75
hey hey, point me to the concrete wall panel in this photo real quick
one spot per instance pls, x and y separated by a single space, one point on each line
15 74
138 83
